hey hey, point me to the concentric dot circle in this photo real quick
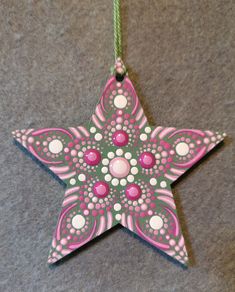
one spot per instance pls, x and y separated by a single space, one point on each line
120 138
92 157
134 170
78 221
55 146
147 160
156 222
182 149
119 167
133 192
120 101
115 182
101 189
108 177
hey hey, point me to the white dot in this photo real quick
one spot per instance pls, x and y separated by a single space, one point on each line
117 207
147 130
133 162
140 201
143 137
120 101
119 152
78 221
98 137
105 161
92 129
94 199
130 178
104 169
134 170
123 182
163 184
182 149
156 222
80 154
118 127
108 177
82 177
115 182
118 217
55 146
153 181
72 181
128 155
111 155
157 156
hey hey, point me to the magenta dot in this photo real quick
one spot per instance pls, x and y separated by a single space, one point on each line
101 189
92 157
133 192
147 160
120 138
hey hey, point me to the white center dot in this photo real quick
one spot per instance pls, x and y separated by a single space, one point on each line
78 221
156 222
55 146
182 149
120 101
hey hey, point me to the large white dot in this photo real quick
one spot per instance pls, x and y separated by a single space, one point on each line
120 101
78 221
156 222
182 149
55 146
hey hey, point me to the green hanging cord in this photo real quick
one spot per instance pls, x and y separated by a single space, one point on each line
117 29
119 68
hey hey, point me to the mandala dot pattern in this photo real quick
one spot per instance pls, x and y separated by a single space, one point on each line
118 170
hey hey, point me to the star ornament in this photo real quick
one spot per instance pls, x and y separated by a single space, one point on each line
118 170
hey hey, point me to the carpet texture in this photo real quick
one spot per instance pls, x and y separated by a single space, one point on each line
55 58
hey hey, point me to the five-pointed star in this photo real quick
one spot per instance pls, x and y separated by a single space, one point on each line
117 169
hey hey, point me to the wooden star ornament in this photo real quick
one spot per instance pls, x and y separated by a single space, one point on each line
118 170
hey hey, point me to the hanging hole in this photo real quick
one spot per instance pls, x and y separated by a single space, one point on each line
120 77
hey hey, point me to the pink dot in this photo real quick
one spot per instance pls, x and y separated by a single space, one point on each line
133 192
101 189
30 140
92 157
147 160
120 138
119 167
73 152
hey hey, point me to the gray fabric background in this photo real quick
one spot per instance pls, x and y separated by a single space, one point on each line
54 61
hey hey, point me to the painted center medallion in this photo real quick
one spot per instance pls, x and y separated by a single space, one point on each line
119 167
